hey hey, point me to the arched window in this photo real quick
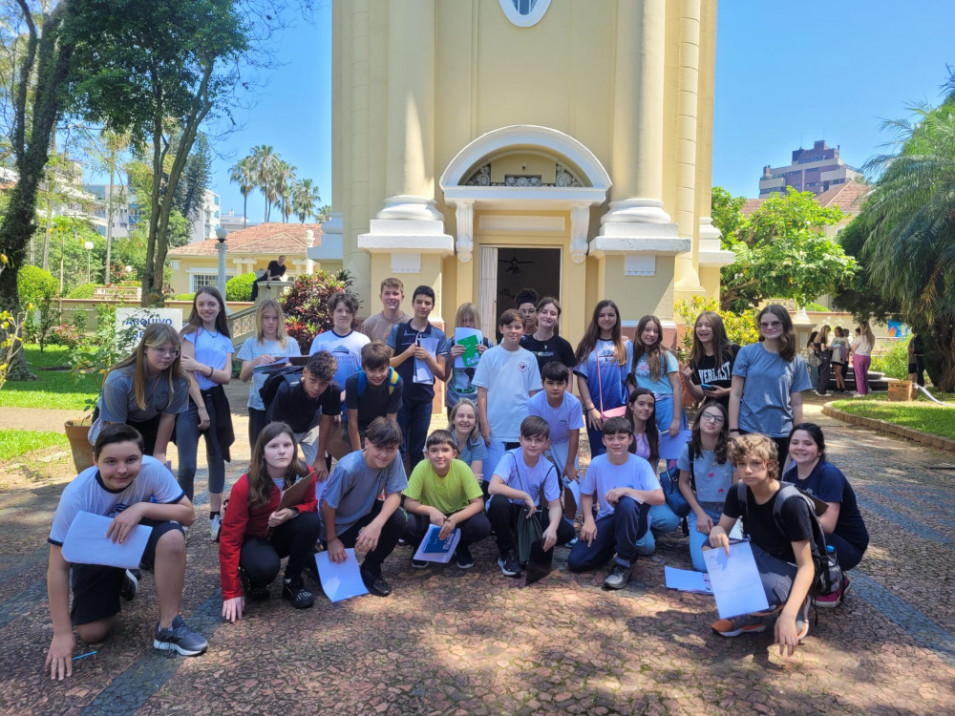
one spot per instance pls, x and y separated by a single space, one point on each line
524 13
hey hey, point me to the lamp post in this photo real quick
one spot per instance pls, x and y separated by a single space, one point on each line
89 254
221 235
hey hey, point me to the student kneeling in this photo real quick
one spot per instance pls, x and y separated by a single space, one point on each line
256 534
134 490
625 486
518 480
442 491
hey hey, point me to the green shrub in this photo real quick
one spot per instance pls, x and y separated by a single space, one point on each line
894 362
239 288
34 285
184 297
84 290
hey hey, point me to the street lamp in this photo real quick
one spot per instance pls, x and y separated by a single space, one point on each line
89 254
221 235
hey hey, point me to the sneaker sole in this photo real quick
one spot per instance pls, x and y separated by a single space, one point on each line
507 572
743 630
169 646
466 565
129 594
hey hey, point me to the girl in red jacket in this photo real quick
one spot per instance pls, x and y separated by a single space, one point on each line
256 534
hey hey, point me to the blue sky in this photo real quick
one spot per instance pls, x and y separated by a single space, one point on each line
787 74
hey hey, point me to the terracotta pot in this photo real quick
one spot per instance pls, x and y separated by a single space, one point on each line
78 435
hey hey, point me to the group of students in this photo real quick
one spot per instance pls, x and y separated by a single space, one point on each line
827 358
510 453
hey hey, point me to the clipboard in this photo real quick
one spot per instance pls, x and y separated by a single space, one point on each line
295 494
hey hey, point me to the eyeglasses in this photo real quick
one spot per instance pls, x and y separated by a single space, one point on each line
712 418
166 352
771 324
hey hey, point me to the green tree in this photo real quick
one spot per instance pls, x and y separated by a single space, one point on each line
781 252
905 235
243 174
727 213
161 67
304 199
195 179
265 161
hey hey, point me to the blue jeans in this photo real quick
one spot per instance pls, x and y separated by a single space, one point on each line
698 539
414 419
662 520
187 441
618 532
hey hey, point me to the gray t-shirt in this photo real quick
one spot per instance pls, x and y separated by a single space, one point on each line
354 487
713 480
378 327
766 406
117 403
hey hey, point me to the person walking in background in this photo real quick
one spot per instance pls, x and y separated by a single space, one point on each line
824 353
840 351
862 357
917 359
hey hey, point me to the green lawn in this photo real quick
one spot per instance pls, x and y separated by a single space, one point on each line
922 415
53 388
16 443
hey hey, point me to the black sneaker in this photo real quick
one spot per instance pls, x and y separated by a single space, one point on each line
464 558
294 591
375 582
179 638
419 563
130 585
253 592
619 577
510 565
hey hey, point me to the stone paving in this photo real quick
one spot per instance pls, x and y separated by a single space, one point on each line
474 642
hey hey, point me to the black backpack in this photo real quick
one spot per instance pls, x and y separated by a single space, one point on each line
290 374
825 561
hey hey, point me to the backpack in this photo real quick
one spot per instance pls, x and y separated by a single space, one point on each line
290 374
392 381
826 563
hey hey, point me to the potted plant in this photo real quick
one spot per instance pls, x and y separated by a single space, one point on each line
78 433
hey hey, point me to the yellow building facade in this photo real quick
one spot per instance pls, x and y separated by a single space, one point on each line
483 146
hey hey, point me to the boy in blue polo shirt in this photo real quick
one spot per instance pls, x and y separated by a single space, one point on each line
133 489
625 487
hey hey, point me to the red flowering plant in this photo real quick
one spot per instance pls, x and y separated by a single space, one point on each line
306 304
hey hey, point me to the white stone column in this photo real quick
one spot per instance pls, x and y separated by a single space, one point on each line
464 220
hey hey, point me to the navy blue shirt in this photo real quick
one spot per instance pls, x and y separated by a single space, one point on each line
827 483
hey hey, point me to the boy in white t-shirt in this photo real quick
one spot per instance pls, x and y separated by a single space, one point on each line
520 478
134 490
625 487
563 413
506 378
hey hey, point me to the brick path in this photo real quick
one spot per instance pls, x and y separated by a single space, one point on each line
476 642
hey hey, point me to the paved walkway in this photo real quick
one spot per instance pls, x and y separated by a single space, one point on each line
475 642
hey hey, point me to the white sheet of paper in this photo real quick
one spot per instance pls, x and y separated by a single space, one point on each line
735 581
340 581
86 543
687 580
670 448
433 549
422 373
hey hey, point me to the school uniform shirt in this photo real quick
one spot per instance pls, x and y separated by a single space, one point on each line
472 450
252 349
518 475
460 382
827 483
88 493
712 480
401 337
612 375
603 476
376 401
565 417
761 527
354 486
662 385
293 405
242 521
117 403
450 494
212 349
509 377
346 349
553 349
766 404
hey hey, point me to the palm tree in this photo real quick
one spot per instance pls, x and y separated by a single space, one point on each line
323 213
907 227
284 180
265 160
243 174
304 199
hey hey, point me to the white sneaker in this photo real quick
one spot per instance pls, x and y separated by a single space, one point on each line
215 526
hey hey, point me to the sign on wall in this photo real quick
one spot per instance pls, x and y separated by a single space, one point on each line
142 317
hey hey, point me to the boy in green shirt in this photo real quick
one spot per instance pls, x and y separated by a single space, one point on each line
442 491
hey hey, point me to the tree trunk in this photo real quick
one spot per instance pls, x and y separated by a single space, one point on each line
940 356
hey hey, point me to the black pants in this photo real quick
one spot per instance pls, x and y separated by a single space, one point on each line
257 420
825 371
503 515
473 529
261 557
387 540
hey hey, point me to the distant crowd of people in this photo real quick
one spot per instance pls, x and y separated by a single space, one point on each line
506 466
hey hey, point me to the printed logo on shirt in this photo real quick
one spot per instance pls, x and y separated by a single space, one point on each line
117 508
522 366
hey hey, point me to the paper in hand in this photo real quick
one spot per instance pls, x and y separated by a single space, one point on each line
735 580
470 338
434 549
422 373
340 581
86 543
670 448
